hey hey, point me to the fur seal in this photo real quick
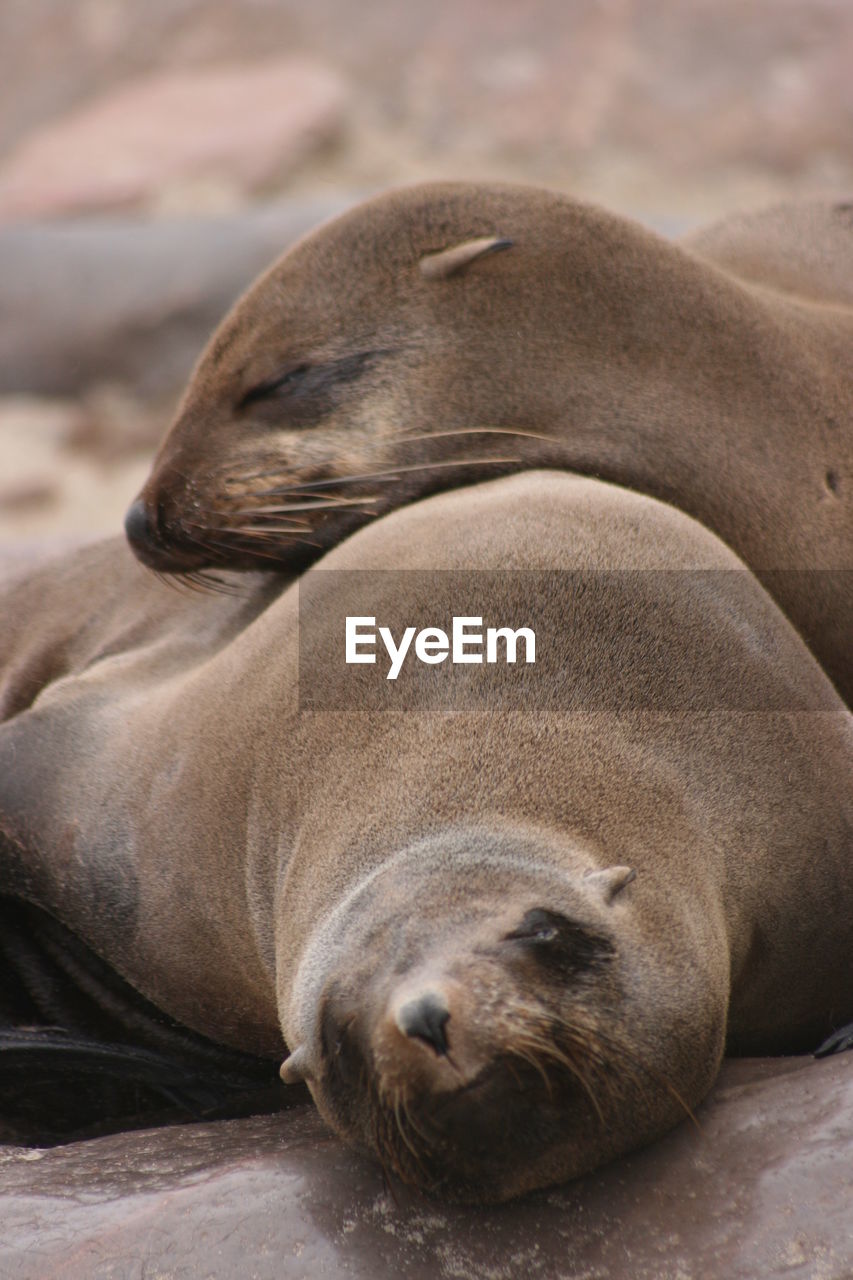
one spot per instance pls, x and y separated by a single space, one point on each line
445 333
506 928
801 249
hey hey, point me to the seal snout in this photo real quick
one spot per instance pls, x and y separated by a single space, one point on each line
144 530
425 1018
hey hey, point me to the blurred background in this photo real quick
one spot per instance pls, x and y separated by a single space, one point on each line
153 157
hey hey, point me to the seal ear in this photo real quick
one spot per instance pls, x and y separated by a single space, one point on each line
297 1067
610 881
449 262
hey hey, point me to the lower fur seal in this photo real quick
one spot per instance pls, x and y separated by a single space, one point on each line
505 929
446 333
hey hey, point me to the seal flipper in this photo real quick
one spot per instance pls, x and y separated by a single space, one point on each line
838 1042
82 1053
58 1086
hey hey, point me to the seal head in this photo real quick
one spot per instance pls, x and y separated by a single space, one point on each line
493 1048
316 406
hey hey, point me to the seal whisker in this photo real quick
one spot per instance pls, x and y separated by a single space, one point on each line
402 439
550 1050
469 431
187 581
574 1069
220 587
533 1061
266 530
204 581
594 1047
260 532
674 1094
318 487
214 544
401 1129
578 1045
174 581
379 1144
190 581
321 504
265 524
516 1077
391 1151
411 1123
260 512
390 474
613 1051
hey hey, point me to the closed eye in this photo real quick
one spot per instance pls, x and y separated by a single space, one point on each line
560 943
533 933
538 925
310 382
266 390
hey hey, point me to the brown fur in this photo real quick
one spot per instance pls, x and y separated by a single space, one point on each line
715 374
803 249
269 871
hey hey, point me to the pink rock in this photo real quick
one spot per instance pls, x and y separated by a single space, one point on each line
238 127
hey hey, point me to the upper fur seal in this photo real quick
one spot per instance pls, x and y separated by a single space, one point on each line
445 333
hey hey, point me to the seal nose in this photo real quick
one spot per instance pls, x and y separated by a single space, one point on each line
425 1018
138 526
155 544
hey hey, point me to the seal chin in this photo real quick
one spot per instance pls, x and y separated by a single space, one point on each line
464 1100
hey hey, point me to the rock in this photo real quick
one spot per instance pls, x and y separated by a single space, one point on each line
227 130
608 98
48 487
761 1188
129 301
24 495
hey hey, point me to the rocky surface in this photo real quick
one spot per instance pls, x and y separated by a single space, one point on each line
54 481
130 301
761 1187
215 134
640 102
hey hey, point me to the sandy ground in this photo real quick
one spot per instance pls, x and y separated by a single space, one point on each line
52 491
